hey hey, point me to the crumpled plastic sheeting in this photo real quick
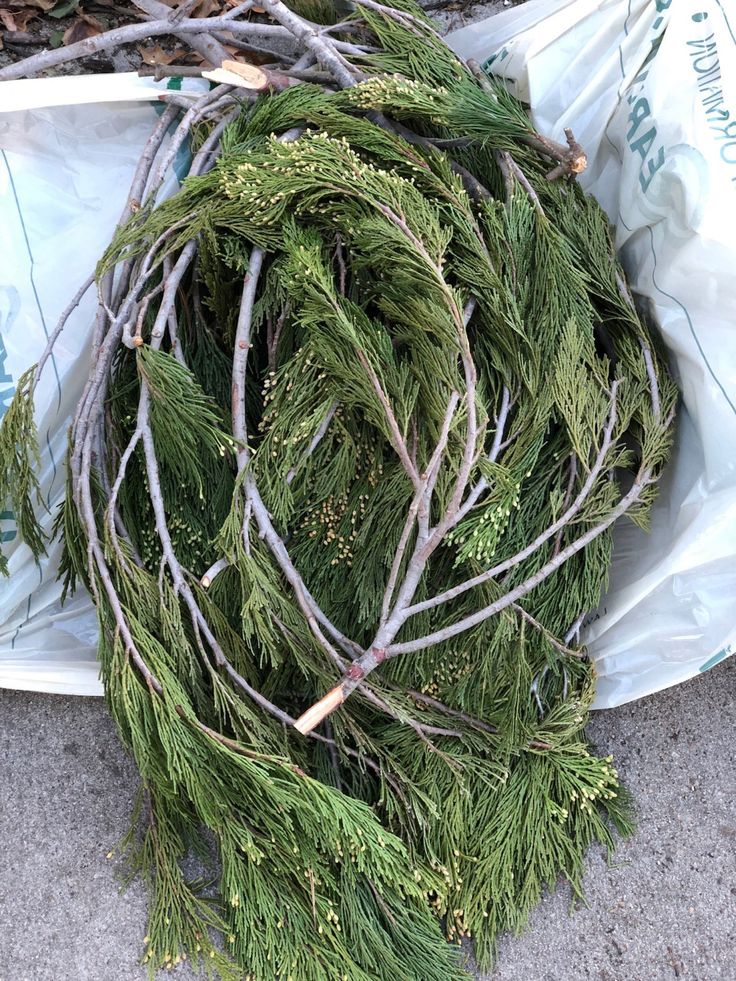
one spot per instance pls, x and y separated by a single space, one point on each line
66 163
649 89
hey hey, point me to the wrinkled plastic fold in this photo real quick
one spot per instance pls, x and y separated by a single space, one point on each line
649 89
68 150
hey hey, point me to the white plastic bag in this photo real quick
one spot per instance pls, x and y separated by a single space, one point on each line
68 151
649 89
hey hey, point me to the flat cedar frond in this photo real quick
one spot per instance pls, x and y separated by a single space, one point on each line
369 394
19 460
183 419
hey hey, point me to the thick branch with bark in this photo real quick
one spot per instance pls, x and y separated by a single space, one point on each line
335 357
409 565
409 418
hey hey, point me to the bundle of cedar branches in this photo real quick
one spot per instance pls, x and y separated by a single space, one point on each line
366 397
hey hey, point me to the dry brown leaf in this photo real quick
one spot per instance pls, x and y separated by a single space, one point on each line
23 17
84 26
157 56
251 57
206 7
39 4
18 20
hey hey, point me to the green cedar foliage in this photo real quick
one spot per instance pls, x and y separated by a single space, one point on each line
19 488
457 782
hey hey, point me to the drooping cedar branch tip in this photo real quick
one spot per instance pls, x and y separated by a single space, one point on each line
366 397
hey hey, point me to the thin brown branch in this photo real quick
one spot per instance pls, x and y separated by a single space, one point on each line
110 293
460 319
143 433
472 722
422 730
625 294
98 567
549 636
130 34
213 572
417 26
652 376
562 521
421 501
232 744
160 72
572 476
512 171
61 324
428 540
332 751
310 609
466 623
397 438
203 42
324 49
502 159
253 47
383 646
315 441
574 632
204 106
111 510
571 158
340 257
482 483
274 336
473 187
179 578
104 344
574 160
241 8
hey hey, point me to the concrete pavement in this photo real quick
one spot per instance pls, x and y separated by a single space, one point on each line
665 909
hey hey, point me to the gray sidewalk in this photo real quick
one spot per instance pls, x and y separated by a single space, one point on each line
666 909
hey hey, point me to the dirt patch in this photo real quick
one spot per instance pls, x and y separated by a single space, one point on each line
28 27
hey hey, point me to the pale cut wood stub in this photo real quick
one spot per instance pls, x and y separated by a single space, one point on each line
251 77
320 710
245 77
